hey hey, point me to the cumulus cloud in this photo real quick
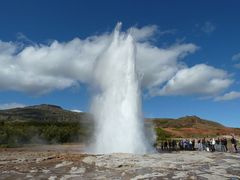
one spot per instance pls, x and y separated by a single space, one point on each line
208 27
144 33
159 65
11 105
237 65
228 96
22 38
199 79
76 110
236 57
41 68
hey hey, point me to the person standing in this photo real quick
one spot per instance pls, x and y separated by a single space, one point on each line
225 144
162 145
165 145
204 144
234 144
213 145
174 143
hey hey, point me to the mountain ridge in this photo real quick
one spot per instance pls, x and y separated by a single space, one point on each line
187 126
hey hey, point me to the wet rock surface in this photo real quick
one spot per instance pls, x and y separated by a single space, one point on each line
52 164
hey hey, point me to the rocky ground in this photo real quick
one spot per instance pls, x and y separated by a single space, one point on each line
67 162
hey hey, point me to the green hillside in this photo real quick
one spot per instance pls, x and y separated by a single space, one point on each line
51 124
43 124
43 113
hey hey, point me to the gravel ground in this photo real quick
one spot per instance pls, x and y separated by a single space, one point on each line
67 162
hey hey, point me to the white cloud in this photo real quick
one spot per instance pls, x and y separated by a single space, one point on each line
148 32
236 57
144 33
228 96
159 65
7 48
199 79
237 65
76 110
41 68
21 37
11 105
208 27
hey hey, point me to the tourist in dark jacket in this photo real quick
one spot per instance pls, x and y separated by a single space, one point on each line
225 143
174 144
204 143
165 145
170 145
234 144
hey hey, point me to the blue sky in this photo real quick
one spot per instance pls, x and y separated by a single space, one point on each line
212 28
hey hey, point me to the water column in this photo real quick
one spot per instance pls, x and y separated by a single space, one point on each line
117 103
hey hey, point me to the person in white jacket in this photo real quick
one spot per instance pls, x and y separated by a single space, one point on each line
213 144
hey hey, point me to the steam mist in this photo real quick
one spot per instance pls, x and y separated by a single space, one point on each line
117 105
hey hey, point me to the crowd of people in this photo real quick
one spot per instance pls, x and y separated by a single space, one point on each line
204 144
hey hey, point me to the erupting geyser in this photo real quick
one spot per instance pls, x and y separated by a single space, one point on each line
117 104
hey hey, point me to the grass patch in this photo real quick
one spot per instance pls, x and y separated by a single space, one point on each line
13 134
162 134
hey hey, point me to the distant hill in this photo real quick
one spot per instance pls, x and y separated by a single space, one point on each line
192 126
45 124
53 124
43 113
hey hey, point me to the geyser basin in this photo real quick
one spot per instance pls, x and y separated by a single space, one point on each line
117 104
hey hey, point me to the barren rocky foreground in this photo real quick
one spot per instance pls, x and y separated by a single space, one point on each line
67 162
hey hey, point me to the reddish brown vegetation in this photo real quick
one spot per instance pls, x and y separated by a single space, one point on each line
193 126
